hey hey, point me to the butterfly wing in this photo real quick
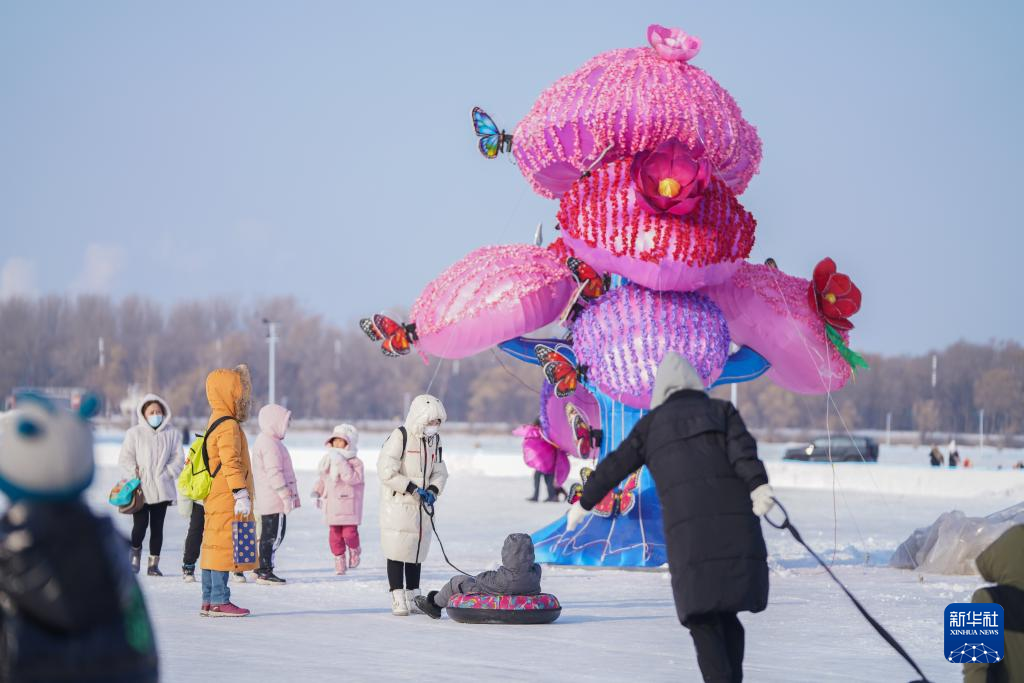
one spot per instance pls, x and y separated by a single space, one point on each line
593 284
559 371
490 145
580 430
575 493
607 506
395 337
483 124
627 498
370 329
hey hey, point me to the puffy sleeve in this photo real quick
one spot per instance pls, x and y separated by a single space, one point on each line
177 459
351 471
127 459
619 464
438 477
389 464
742 451
227 446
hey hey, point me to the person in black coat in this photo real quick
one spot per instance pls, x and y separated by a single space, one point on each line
712 488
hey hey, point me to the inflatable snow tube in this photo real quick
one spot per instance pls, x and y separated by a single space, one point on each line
477 608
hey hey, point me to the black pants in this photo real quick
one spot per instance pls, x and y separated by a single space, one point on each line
194 538
272 529
549 482
410 571
151 516
718 639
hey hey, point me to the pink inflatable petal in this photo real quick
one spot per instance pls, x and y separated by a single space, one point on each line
493 294
768 311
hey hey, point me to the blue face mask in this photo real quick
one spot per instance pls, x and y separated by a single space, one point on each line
155 420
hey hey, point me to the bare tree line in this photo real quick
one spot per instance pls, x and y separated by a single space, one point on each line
327 371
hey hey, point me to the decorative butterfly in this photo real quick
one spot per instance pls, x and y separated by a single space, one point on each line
581 430
492 140
560 369
617 502
396 338
594 285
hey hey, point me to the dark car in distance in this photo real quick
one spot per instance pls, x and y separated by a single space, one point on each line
843 449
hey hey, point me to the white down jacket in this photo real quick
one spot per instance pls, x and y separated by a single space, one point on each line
404 527
155 454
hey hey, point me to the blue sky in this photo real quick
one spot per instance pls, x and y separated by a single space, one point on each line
325 150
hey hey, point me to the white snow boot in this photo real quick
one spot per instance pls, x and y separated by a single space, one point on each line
410 599
339 564
399 603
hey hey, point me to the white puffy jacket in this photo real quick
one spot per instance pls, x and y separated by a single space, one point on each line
156 454
404 528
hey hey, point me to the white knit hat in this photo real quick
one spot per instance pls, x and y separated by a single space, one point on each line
347 432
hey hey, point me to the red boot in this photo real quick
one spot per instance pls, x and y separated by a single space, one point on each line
204 611
227 610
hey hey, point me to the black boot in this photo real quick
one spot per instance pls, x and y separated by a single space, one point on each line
188 573
154 569
266 577
136 559
428 606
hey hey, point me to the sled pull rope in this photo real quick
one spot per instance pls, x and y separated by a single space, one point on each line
429 509
788 526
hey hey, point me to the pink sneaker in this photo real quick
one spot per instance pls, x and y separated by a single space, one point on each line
204 611
339 564
227 610
353 558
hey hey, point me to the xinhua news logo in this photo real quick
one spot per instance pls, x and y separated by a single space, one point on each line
974 633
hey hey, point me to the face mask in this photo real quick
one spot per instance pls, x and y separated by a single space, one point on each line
430 430
155 420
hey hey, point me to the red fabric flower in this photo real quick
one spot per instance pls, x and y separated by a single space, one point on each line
833 295
670 179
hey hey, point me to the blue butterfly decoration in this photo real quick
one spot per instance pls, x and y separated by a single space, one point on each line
492 140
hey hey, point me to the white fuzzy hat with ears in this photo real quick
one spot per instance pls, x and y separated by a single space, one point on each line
47 452
347 432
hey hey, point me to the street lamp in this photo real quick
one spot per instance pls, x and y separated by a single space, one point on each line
272 342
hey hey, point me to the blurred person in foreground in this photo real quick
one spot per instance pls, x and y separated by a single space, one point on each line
70 606
1002 563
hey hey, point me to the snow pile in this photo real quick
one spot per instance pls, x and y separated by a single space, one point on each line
952 543
902 480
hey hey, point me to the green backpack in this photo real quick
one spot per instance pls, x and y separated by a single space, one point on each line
196 480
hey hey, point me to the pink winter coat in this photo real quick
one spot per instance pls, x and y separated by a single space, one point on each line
340 488
542 455
274 477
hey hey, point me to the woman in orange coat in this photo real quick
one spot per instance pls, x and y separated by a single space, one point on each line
228 392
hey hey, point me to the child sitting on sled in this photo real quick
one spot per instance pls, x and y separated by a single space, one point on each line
518 575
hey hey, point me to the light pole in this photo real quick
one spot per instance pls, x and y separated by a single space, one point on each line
272 342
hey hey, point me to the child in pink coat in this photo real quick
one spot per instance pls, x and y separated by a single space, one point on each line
277 492
339 494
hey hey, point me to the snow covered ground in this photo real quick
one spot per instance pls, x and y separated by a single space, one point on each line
614 623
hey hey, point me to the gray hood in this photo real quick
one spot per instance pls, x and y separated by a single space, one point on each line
674 374
517 554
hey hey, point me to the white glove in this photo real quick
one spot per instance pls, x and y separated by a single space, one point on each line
316 500
761 497
575 515
243 506
185 507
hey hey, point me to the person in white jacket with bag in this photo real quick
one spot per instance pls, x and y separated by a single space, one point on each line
152 452
411 478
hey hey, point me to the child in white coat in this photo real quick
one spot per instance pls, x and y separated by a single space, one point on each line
339 494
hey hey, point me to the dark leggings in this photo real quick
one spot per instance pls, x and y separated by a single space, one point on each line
151 516
409 570
718 639
194 539
549 482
